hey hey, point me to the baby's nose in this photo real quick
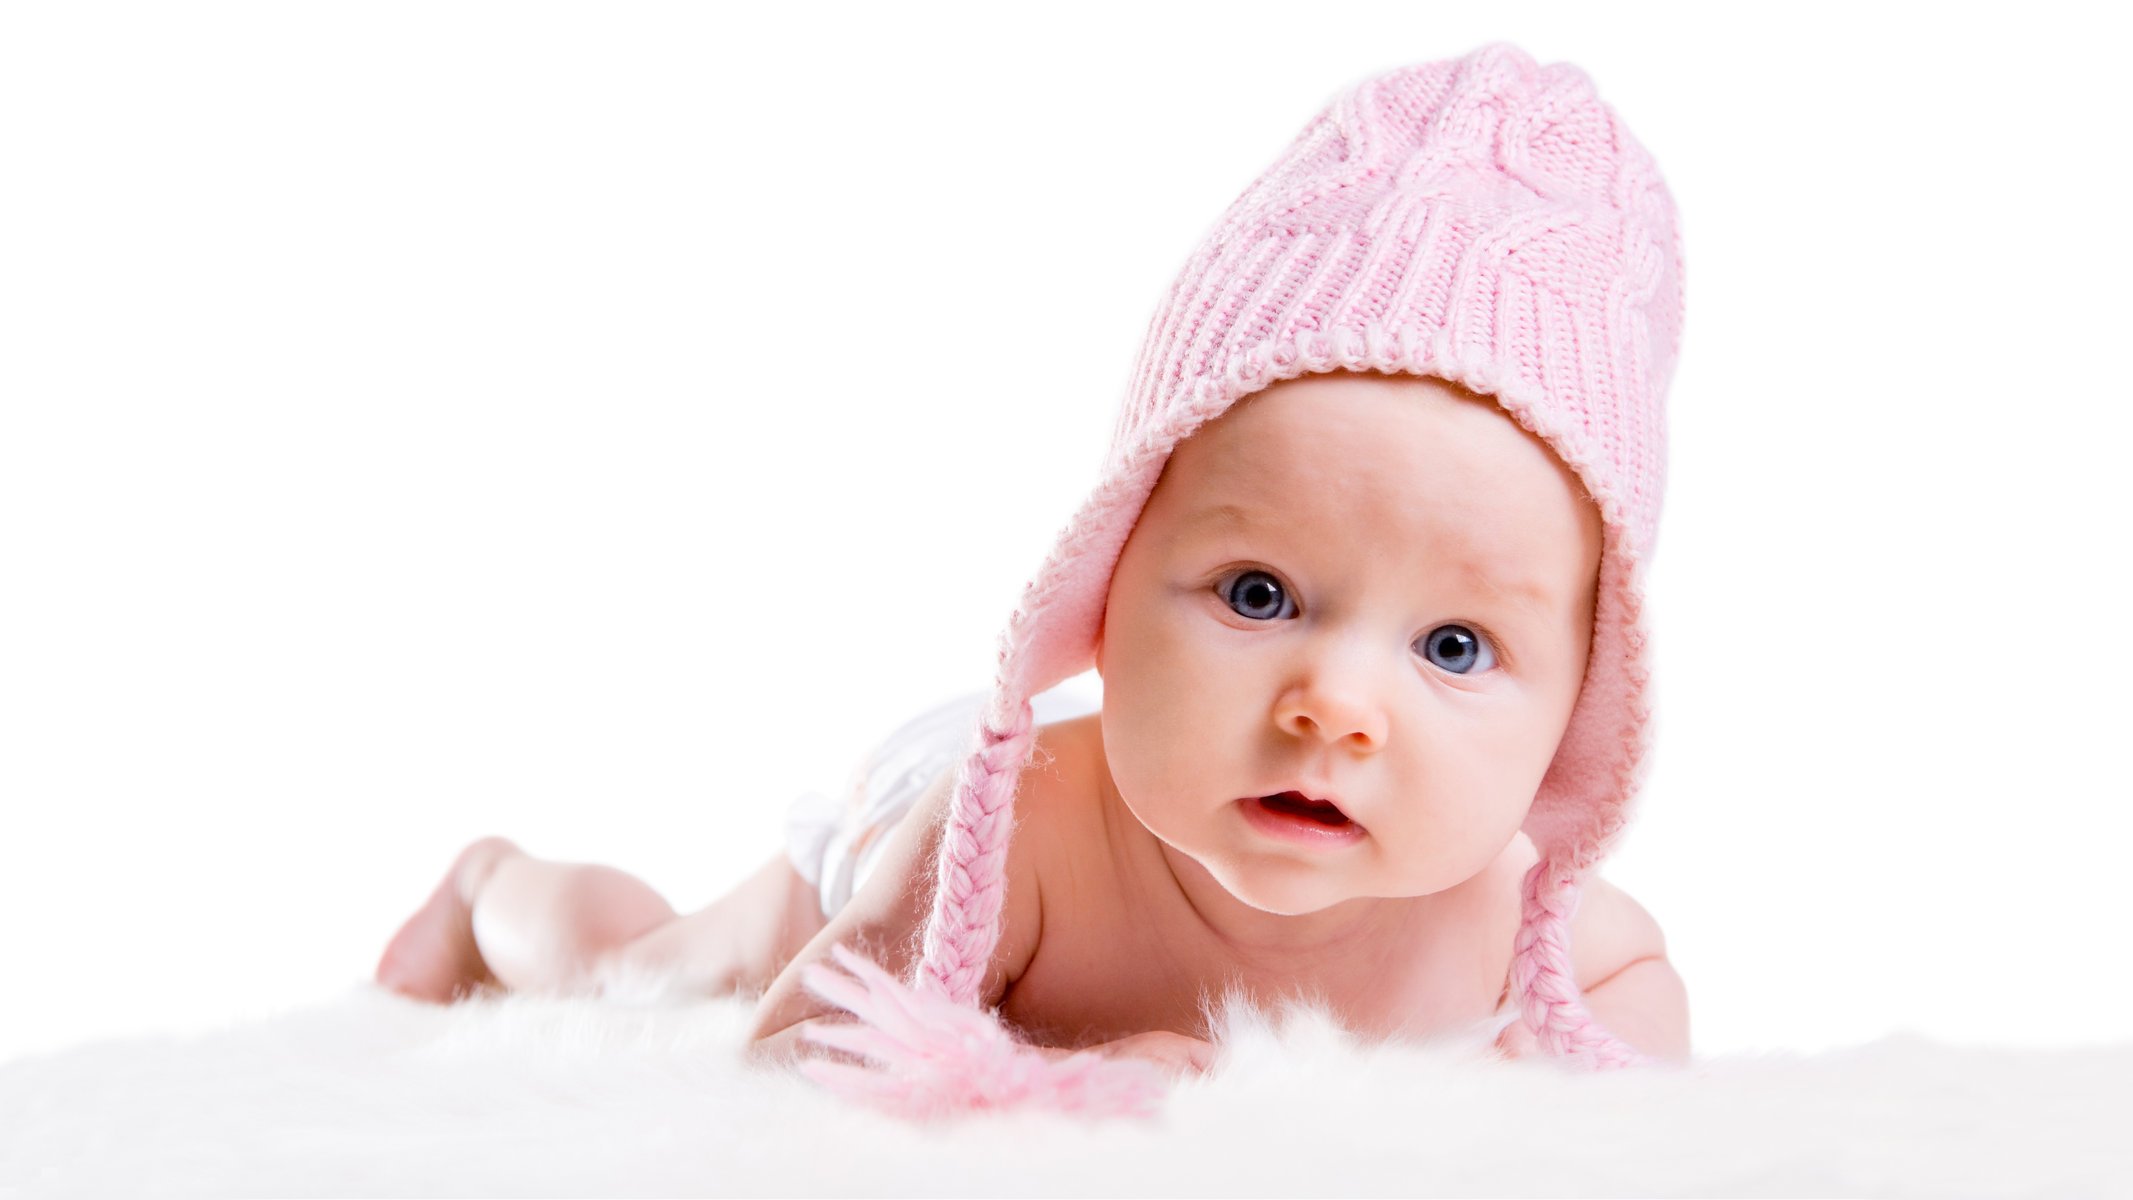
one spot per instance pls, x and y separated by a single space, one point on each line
1338 716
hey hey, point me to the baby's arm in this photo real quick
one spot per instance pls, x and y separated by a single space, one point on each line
884 919
1634 992
1619 955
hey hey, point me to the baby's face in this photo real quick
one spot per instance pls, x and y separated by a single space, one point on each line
1376 589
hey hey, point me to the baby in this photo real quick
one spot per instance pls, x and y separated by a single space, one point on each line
1363 583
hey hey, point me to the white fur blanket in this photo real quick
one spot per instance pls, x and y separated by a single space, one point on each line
374 1095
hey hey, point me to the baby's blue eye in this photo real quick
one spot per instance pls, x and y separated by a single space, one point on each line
1257 595
1458 649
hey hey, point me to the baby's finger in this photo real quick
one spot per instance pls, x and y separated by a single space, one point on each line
1176 1053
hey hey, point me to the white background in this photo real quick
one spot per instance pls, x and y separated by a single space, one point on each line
597 424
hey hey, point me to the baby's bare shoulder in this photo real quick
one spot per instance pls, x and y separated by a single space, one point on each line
1044 822
1098 967
1618 954
886 917
1051 813
1609 930
1625 976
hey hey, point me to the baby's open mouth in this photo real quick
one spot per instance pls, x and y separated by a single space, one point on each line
1296 804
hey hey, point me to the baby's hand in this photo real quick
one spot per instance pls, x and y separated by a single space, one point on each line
1175 1053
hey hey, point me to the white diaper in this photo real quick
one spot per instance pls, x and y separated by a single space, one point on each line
834 845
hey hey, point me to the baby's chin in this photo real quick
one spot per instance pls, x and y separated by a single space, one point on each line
1288 887
1283 902
1284 888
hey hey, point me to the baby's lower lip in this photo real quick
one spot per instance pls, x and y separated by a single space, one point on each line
1298 830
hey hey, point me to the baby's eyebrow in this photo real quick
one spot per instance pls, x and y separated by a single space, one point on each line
1537 598
1233 514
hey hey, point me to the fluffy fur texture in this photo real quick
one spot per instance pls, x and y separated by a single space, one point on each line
934 1056
374 1095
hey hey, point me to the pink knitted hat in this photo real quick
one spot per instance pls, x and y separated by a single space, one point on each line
1483 220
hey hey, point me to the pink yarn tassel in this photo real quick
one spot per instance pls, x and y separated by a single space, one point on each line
1552 1008
931 1056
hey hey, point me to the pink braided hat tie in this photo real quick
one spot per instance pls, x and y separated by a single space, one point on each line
1483 220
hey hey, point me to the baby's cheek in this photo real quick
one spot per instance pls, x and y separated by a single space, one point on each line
1151 719
1133 739
1456 826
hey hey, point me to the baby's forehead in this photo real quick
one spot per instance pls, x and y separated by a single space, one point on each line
1379 465
1343 434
